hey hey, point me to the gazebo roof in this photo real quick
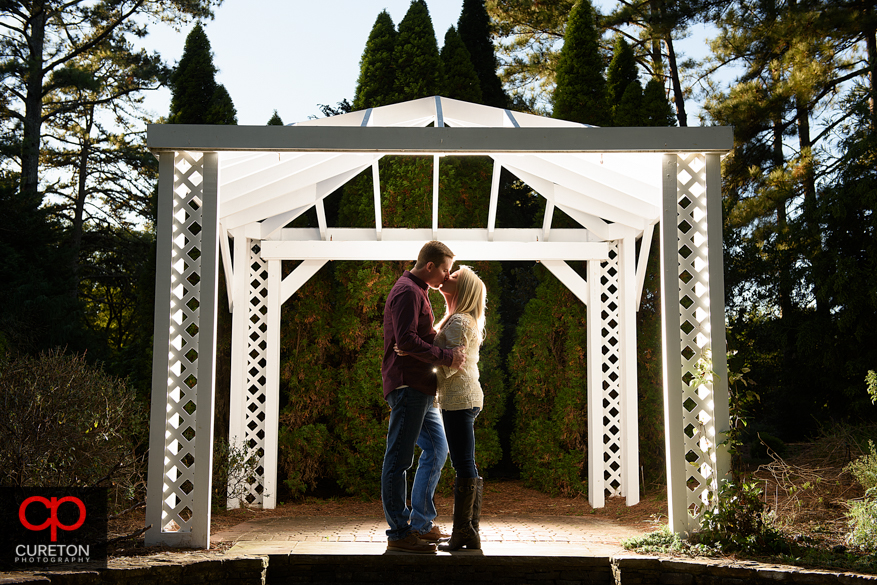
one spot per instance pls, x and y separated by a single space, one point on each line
607 179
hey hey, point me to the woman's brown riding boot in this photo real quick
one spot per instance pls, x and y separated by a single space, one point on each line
463 535
476 507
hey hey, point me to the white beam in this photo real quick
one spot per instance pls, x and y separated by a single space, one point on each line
306 197
546 219
605 231
424 235
407 250
279 221
280 187
435 191
629 393
302 273
643 204
674 450
596 480
267 173
376 183
570 278
227 266
626 183
321 217
580 201
494 196
643 263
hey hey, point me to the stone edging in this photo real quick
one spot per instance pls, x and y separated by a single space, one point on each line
458 568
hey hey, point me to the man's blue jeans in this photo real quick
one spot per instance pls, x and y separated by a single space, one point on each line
413 420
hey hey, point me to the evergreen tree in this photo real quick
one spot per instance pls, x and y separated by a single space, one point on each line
656 109
624 92
629 109
275 120
622 71
377 68
473 27
418 63
580 95
196 97
461 80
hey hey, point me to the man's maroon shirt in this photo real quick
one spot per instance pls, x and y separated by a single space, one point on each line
408 323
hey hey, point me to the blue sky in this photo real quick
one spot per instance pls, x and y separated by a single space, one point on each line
291 55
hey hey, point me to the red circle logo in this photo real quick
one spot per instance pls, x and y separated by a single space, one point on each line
52 506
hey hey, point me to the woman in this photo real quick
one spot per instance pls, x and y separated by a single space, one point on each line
460 398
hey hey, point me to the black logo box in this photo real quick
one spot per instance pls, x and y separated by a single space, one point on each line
45 528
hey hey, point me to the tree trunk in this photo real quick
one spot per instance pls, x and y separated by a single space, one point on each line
81 196
871 44
678 98
33 102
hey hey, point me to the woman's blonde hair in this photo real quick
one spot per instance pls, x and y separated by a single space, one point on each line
471 299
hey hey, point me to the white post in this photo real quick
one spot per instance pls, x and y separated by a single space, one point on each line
596 480
272 383
629 396
717 311
675 454
237 420
181 424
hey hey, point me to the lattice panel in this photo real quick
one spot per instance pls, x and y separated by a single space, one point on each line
182 402
610 348
255 396
697 399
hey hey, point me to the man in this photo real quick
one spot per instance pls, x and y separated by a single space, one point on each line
409 383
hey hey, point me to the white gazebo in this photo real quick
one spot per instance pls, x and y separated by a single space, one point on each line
247 183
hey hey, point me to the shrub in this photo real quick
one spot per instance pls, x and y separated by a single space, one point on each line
232 473
739 521
862 514
68 423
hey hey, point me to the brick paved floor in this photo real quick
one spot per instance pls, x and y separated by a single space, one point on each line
500 535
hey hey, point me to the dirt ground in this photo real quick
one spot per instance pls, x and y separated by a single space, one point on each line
502 497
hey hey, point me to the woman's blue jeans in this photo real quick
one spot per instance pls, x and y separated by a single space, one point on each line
460 430
413 420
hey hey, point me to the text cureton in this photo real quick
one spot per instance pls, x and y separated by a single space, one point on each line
52 550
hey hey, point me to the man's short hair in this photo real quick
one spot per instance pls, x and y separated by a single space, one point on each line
434 252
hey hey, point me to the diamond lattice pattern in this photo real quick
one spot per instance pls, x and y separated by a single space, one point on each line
255 395
610 347
182 402
697 399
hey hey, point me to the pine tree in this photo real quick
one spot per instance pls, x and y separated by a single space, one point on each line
275 120
377 68
418 63
461 81
196 97
473 27
580 95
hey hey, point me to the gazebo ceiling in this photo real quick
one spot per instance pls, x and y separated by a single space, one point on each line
599 176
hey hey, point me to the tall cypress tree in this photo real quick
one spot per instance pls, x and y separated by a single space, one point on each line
580 95
474 30
196 98
377 68
624 92
656 109
461 82
419 70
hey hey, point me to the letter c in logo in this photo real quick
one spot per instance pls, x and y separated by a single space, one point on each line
53 522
